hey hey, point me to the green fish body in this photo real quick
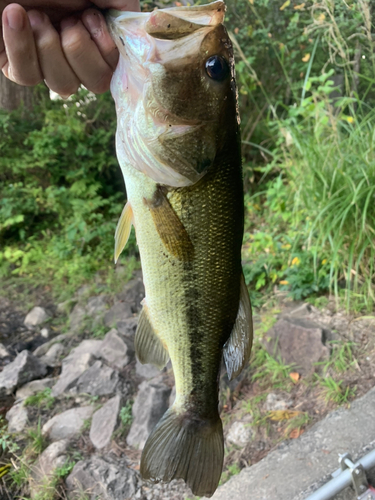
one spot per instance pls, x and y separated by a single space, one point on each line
178 144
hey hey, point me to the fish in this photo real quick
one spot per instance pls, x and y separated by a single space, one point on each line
178 145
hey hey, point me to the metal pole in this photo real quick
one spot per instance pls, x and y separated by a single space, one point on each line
342 480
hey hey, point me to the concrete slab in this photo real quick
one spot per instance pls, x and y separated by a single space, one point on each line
299 467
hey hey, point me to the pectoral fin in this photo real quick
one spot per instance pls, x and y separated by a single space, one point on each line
169 227
148 346
237 349
123 229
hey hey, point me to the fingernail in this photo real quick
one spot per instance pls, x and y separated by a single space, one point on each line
15 19
94 23
35 18
69 22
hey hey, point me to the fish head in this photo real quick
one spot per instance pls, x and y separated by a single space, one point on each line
174 90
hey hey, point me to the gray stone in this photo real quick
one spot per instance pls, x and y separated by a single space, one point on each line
128 327
90 346
298 342
114 350
53 355
3 351
65 307
119 312
146 371
104 422
68 424
148 408
98 380
77 317
42 349
72 369
98 478
133 293
44 332
35 317
17 418
97 305
300 466
53 457
275 402
24 368
240 433
34 386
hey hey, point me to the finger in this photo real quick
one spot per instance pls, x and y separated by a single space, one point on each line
94 22
3 56
84 56
56 71
23 66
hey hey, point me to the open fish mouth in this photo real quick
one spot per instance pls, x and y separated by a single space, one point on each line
158 51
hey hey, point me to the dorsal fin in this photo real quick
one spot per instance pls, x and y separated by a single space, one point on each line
237 349
123 229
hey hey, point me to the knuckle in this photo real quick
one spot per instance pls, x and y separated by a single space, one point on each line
73 43
48 43
102 85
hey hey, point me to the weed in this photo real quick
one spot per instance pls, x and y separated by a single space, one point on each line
268 370
7 441
297 423
86 424
37 441
126 416
341 358
335 390
42 399
232 470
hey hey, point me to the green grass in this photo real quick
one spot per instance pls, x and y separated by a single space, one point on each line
335 391
42 399
268 370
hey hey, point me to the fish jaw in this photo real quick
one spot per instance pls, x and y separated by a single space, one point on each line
169 132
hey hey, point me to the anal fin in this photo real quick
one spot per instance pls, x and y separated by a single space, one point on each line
237 349
148 346
123 229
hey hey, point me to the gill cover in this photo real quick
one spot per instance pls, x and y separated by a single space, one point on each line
170 112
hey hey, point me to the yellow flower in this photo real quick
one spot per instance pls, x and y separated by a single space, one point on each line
295 261
285 5
324 261
321 18
284 282
299 7
306 58
350 119
287 246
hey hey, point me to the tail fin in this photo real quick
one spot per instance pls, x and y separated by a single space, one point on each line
183 446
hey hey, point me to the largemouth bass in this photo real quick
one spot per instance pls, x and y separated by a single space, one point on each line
178 144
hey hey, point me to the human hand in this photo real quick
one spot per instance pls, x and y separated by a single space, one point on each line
64 42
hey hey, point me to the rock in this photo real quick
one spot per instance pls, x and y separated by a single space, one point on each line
36 316
42 349
119 312
53 457
128 327
98 380
68 424
17 418
65 307
24 368
146 371
53 355
114 350
298 342
77 317
104 422
99 478
97 305
93 347
72 369
44 332
148 408
239 434
33 387
133 293
3 351
275 402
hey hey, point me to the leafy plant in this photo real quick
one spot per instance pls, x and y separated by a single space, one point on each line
41 399
335 390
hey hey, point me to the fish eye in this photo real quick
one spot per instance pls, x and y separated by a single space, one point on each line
217 67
